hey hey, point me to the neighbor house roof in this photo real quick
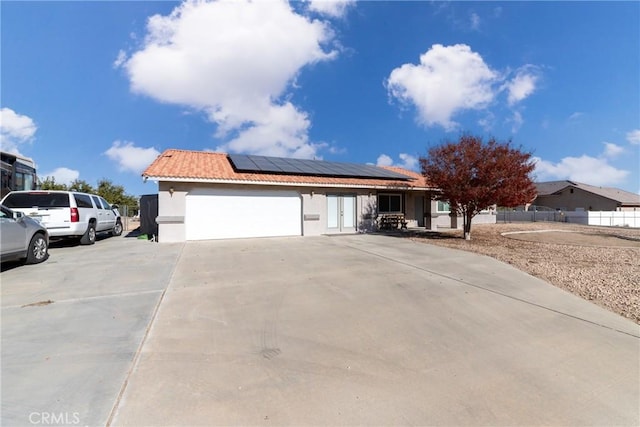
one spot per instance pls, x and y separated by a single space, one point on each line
204 166
625 198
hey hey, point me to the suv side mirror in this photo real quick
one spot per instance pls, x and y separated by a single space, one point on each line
18 215
114 206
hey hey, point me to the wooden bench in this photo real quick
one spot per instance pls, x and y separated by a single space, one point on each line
392 222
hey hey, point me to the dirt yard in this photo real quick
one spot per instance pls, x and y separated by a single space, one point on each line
600 264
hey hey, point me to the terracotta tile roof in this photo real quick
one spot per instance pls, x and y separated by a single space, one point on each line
183 165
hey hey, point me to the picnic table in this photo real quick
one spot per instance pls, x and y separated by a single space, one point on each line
391 222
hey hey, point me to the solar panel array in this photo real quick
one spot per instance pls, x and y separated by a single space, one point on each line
281 165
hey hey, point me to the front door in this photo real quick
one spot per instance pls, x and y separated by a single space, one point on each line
341 213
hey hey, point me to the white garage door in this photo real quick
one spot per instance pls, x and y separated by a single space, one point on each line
225 214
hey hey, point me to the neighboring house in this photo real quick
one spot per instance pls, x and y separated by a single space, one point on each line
575 196
206 195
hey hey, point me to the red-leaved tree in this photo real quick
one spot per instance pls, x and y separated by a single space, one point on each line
473 175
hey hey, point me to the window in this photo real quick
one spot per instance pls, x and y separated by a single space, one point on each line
97 202
105 204
83 201
443 206
42 200
20 181
389 203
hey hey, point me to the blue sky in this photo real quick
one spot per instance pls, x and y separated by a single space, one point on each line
95 90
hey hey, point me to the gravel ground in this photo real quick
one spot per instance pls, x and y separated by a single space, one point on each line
607 274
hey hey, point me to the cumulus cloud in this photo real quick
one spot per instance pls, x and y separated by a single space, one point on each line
407 161
15 129
131 158
384 160
612 150
448 79
633 137
62 175
235 60
586 169
522 85
452 79
282 132
332 8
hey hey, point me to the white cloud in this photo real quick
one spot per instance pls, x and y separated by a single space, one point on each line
452 79
407 161
282 132
487 121
522 85
612 150
15 129
517 121
448 79
634 136
120 60
585 169
332 8
576 115
474 21
131 158
62 175
384 160
234 60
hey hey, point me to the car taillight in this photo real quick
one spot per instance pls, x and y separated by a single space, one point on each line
75 216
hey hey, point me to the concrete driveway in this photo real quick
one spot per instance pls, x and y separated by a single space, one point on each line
374 330
71 328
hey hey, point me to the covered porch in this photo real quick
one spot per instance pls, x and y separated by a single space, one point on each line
404 209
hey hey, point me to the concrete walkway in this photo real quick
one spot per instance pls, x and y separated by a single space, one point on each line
375 330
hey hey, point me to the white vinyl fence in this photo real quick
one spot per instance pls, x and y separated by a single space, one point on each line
601 218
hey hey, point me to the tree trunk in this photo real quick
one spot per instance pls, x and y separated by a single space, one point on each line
467 225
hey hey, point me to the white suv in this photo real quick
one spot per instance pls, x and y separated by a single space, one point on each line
67 213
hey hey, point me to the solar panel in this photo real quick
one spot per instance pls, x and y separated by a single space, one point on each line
281 165
243 163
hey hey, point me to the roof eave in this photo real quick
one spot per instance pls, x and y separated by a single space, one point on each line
285 184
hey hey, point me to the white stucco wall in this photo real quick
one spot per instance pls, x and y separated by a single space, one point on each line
314 207
444 220
171 211
172 207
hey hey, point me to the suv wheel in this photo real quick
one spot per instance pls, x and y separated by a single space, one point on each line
38 249
89 237
117 230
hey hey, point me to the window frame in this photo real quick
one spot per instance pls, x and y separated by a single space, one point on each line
390 196
448 205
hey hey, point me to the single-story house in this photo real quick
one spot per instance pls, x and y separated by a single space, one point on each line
576 196
208 195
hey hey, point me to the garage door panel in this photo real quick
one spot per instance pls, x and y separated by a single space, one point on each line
225 214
